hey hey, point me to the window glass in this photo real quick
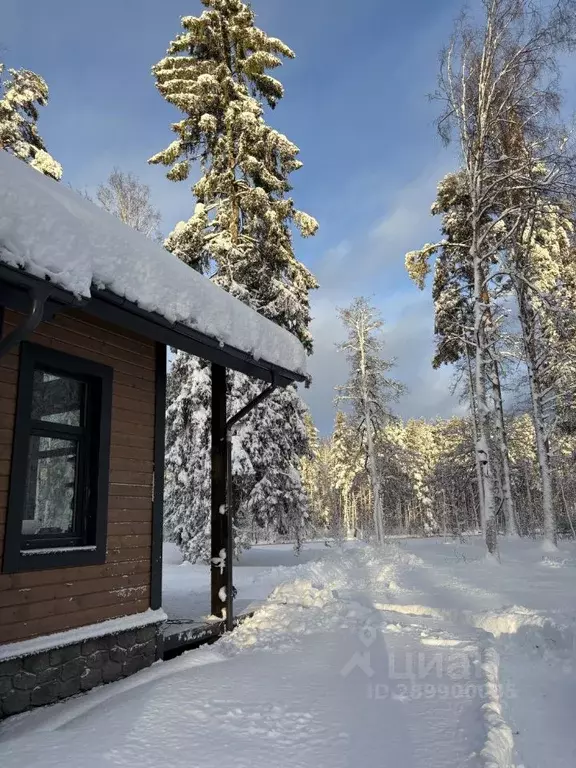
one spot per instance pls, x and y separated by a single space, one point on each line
57 399
51 487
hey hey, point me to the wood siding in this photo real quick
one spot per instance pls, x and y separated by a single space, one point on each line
41 602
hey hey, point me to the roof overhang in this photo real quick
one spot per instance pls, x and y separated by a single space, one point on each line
17 287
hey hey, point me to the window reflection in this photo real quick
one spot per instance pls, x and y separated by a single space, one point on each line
51 487
57 399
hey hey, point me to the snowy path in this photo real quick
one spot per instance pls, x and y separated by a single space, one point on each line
528 604
363 658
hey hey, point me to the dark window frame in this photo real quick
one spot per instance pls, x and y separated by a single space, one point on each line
94 466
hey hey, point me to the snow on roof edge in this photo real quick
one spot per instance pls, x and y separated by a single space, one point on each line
51 232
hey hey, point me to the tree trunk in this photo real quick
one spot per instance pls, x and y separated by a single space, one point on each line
483 449
567 510
549 515
370 446
507 496
474 413
542 451
374 482
529 501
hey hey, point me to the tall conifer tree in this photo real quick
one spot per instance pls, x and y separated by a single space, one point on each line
240 233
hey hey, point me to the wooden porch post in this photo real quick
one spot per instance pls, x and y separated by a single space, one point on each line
219 521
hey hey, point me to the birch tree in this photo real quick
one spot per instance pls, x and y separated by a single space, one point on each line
126 197
369 390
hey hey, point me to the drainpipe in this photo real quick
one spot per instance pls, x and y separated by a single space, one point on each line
230 424
32 320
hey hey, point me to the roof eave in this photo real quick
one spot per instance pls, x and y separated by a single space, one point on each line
117 310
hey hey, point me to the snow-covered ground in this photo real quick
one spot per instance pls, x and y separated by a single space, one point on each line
186 587
424 654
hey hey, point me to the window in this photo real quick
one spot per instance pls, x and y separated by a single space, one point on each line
57 506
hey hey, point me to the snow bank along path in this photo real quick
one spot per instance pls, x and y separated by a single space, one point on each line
406 657
51 232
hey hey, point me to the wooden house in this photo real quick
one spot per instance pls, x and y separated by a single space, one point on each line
88 308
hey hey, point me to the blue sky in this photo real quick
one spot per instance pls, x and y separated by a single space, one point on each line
356 104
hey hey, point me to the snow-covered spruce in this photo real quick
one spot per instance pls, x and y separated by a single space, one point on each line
269 499
216 73
20 97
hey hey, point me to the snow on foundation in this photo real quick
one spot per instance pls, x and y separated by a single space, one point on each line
53 233
89 632
60 715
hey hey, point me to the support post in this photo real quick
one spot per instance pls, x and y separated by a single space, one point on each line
158 493
230 533
220 563
221 511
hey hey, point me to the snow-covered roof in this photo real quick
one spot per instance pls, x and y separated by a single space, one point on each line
53 233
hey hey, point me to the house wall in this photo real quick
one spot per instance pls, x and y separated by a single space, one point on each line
42 602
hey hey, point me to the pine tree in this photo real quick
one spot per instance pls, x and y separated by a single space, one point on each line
216 74
453 294
525 472
539 263
455 441
428 469
425 471
20 98
369 390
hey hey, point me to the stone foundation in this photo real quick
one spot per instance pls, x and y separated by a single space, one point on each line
47 677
